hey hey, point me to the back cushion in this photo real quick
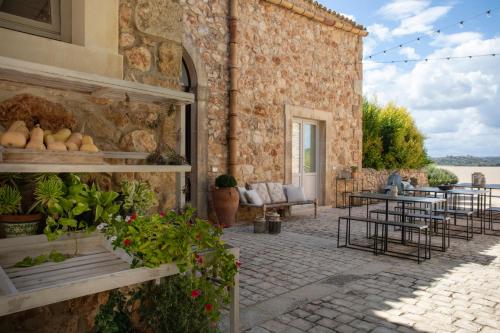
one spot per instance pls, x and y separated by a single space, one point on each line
295 194
243 198
253 198
276 192
261 188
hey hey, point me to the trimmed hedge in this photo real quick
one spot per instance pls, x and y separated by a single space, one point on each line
437 176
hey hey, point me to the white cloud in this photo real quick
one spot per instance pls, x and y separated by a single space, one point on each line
450 40
399 9
409 53
422 22
380 31
455 103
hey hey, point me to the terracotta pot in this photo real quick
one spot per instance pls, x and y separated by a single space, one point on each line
226 200
19 225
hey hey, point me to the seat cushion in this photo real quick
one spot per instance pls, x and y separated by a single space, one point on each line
261 188
243 198
253 198
276 192
295 194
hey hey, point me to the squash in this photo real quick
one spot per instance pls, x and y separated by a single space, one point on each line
62 135
74 142
13 139
36 141
57 146
46 133
87 139
20 126
89 147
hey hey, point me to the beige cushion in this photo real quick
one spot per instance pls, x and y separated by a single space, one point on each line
243 198
261 188
276 192
253 198
295 194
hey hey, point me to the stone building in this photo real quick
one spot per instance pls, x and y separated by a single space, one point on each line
277 84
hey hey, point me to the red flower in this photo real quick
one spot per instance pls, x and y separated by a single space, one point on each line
133 217
238 263
162 214
127 242
195 293
208 307
199 259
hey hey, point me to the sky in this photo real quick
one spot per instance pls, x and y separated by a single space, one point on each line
455 103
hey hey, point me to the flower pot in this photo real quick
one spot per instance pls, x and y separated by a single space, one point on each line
19 225
226 200
260 225
274 223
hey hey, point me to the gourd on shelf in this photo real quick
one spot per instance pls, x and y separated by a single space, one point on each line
16 136
36 139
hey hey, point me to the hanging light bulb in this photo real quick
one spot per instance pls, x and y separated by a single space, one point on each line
488 13
418 40
461 24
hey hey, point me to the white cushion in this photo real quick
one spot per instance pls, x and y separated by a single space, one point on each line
276 192
261 188
253 197
295 194
243 198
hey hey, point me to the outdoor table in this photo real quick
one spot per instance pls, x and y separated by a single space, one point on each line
432 202
479 196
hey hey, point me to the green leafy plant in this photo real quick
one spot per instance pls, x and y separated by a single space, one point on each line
137 197
114 315
53 256
437 176
10 200
225 181
193 244
391 140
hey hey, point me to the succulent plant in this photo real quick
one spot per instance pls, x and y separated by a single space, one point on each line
10 200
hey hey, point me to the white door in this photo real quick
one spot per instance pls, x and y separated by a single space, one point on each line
305 156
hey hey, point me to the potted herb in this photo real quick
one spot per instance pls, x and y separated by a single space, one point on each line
354 172
14 220
137 197
226 199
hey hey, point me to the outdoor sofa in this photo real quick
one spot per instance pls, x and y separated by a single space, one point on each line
272 195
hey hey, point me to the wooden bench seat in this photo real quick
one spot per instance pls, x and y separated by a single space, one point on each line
265 207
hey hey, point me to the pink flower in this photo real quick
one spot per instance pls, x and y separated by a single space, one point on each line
238 263
162 214
195 293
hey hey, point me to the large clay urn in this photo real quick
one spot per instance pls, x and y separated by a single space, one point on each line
226 200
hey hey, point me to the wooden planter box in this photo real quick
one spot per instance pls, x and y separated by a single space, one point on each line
96 268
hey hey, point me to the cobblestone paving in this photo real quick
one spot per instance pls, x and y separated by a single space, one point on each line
455 291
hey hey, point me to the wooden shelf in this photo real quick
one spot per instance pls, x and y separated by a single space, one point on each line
96 268
53 77
90 168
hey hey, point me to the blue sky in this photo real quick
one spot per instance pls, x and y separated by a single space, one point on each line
456 103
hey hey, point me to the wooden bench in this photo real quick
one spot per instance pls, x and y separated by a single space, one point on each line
265 207
384 237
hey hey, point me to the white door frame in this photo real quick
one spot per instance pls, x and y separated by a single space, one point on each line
302 174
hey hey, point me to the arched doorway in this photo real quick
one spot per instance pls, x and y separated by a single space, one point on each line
193 80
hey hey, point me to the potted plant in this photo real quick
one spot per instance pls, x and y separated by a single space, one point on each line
354 172
226 199
14 220
136 197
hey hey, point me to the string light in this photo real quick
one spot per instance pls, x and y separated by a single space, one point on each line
448 58
460 23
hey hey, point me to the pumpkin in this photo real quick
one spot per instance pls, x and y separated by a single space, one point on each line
36 141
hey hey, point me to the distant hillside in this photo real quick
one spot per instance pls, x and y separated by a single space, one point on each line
467 161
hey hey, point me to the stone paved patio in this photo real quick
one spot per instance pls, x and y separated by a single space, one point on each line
299 281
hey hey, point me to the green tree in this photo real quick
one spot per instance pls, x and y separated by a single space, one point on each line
391 140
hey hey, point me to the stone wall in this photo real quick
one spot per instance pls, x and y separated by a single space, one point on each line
288 59
375 180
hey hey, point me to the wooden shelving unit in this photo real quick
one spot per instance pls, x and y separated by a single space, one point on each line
99 267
